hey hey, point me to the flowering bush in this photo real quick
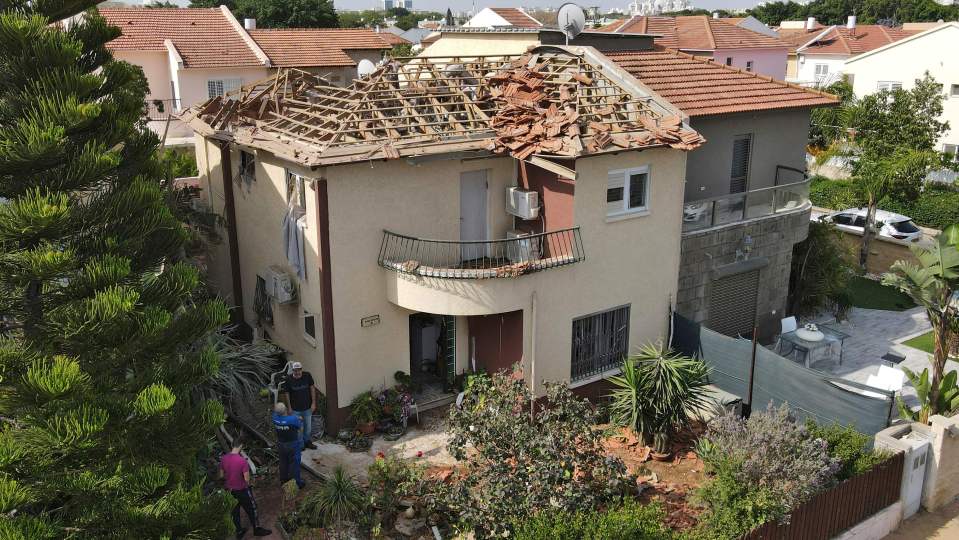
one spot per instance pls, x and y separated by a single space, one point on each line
763 468
391 479
517 466
395 404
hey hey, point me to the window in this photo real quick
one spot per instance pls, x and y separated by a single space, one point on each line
749 65
600 342
309 328
295 190
219 87
952 149
729 60
889 85
954 90
822 70
247 166
739 174
627 191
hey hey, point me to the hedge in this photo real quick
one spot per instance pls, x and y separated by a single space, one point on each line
628 521
937 206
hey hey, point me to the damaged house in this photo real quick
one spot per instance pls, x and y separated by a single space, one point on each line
448 215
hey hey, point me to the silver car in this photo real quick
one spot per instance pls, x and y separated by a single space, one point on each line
889 224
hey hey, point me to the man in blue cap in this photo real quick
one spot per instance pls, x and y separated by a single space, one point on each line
290 443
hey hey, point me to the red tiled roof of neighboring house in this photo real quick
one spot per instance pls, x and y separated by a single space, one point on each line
315 47
203 37
797 37
392 39
695 33
862 38
701 87
517 17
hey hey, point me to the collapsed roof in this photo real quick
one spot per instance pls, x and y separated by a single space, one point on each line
551 102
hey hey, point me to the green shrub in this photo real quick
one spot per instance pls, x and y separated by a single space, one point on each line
735 507
180 163
390 479
835 194
627 521
850 447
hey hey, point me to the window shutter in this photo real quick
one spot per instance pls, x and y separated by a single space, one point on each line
615 186
740 169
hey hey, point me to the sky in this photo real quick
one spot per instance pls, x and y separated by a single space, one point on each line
464 5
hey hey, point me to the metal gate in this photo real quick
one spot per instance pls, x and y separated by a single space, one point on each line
732 304
449 349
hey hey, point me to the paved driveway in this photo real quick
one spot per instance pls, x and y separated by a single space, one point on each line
943 524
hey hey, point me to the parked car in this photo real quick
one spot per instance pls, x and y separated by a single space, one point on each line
888 224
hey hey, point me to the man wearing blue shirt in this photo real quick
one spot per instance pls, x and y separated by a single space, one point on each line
290 443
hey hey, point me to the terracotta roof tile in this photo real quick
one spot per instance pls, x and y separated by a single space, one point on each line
315 47
392 39
517 17
863 38
202 36
701 87
696 33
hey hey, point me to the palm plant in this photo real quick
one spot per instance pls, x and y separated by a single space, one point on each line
947 399
658 393
244 367
338 499
933 284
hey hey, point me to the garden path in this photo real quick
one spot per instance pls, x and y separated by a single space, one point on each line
943 524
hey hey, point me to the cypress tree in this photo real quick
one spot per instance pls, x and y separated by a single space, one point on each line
100 424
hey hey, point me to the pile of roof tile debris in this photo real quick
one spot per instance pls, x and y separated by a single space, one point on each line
531 120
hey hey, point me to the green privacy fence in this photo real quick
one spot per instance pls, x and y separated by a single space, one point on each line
825 398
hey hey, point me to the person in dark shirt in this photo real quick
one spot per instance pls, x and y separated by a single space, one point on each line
301 399
235 472
289 442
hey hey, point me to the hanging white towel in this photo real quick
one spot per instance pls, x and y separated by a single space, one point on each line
294 224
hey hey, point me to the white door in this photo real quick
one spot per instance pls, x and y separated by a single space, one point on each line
473 225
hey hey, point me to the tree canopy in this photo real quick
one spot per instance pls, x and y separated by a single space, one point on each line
280 13
826 12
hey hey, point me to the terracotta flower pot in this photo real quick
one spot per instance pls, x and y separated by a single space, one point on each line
366 428
657 456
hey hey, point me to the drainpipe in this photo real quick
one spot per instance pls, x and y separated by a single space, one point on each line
532 360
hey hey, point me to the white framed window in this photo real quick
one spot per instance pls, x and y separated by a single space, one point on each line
627 191
822 70
309 328
219 87
954 90
749 65
952 149
889 85
296 190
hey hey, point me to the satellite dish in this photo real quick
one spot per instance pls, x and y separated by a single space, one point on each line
365 67
571 20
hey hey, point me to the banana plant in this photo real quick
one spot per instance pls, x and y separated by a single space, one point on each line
947 397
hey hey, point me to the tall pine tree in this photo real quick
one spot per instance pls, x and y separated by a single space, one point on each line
99 424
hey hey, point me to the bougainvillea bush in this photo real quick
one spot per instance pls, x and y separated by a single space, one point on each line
515 466
762 468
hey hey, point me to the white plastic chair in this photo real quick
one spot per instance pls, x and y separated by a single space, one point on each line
789 324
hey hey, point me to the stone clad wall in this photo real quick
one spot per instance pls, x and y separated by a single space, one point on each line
709 254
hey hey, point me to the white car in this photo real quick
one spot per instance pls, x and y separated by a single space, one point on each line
888 224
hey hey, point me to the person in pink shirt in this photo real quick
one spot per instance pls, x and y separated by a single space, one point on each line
235 472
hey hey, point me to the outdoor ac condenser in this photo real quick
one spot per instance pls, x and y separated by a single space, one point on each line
522 203
280 286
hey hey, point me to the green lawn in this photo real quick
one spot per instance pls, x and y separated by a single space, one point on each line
923 342
870 294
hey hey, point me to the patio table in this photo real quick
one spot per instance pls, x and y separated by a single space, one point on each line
832 336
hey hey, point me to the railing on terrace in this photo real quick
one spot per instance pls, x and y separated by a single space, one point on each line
160 109
454 259
736 207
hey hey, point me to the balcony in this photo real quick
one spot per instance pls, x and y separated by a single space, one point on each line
738 207
483 259
160 109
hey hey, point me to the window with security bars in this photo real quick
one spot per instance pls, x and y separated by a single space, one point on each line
600 342
627 191
889 85
219 87
739 173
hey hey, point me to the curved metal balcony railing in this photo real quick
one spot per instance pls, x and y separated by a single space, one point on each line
482 259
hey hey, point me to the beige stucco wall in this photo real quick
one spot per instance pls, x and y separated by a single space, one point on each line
260 208
481 44
193 88
632 261
155 67
779 138
905 62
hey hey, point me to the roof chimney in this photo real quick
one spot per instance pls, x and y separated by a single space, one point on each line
715 14
810 24
249 24
851 22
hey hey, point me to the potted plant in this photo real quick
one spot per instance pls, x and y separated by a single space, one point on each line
365 411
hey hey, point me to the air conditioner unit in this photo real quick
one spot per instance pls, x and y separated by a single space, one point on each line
521 247
280 285
522 203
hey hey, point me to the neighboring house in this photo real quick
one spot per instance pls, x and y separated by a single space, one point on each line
708 37
502 17
332 53
192 54
797 34
900 64
391 38
187 55
412 260
821 60
746 182
750 23
417 35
